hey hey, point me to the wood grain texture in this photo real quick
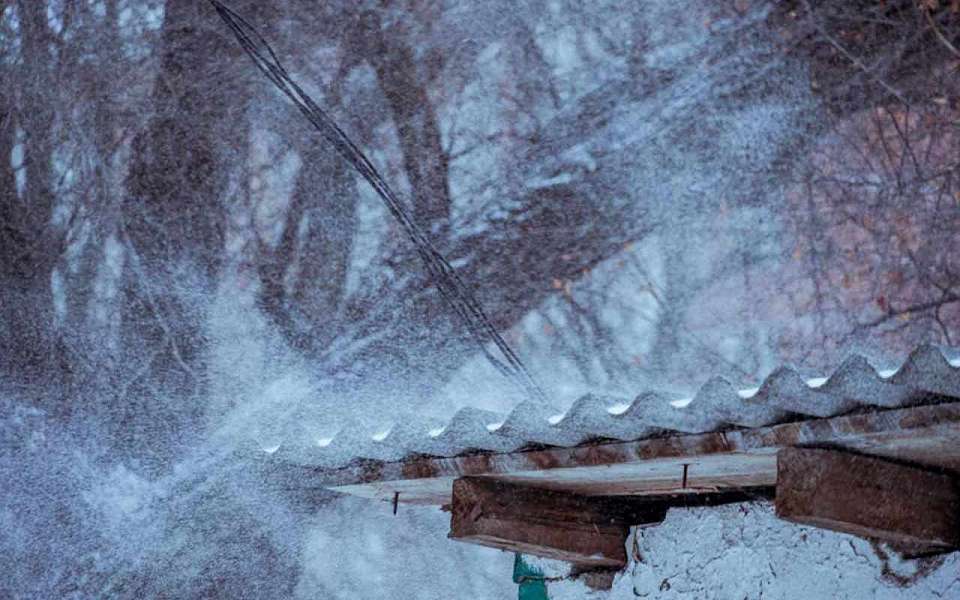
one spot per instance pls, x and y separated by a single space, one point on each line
578 529
868 497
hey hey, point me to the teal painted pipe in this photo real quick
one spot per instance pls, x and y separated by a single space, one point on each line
530 579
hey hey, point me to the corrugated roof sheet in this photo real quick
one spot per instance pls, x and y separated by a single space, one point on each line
783 396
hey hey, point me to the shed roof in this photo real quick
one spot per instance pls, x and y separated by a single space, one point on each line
783 396
728 437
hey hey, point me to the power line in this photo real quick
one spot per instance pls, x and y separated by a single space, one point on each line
440 271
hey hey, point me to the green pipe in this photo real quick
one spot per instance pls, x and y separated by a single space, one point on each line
530 579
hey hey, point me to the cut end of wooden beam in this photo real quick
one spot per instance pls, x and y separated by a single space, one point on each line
582 530
868 497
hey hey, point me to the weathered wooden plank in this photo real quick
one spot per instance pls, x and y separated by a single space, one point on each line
927 435
578 529
868 497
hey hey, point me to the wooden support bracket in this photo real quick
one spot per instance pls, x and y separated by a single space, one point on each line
583 530
869 497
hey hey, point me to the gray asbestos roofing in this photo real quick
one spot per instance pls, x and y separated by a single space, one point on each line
928 374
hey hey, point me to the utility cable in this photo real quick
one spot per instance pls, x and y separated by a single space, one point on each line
441 272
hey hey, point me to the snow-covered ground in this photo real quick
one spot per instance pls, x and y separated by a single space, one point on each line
744 551
736 552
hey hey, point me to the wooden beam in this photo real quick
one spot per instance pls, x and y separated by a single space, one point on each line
578 529
869 497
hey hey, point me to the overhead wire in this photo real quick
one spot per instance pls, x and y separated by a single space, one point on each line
441 273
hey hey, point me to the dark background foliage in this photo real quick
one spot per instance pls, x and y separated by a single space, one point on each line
638 197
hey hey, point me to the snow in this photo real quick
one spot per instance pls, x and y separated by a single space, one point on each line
69 517
743 551
739 551
619 408
379 555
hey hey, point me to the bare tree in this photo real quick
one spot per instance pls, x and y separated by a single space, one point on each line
174 222
31 242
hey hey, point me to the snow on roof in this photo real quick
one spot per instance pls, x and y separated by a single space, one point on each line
783 396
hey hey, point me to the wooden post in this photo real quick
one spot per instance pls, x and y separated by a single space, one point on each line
868 497
584 530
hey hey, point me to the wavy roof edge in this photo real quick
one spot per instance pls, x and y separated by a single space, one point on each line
784 395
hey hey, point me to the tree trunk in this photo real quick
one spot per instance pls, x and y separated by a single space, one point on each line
404 85
174 223
89 312
30 246
303 278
